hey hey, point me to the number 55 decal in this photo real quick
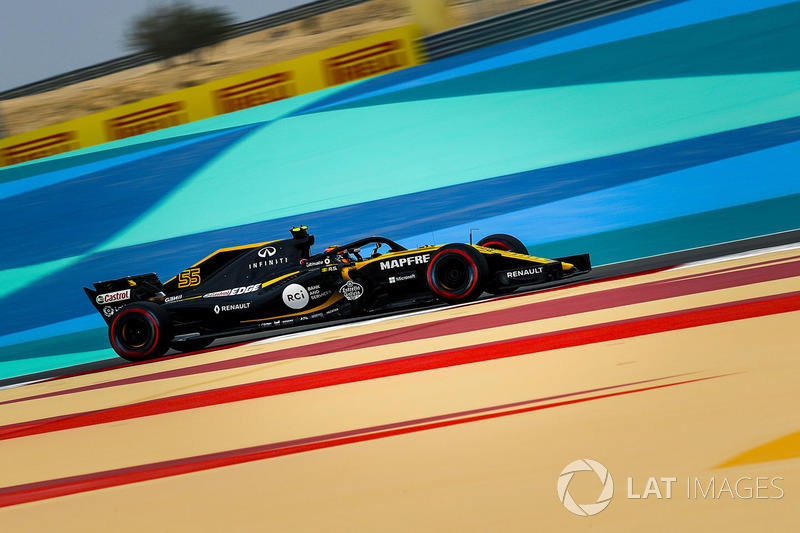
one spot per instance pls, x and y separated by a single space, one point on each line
189 278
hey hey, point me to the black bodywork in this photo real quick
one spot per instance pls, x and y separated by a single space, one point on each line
280 283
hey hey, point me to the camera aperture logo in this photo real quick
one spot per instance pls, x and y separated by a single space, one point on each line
585 509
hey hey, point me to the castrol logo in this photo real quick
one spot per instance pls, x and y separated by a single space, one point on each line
111 297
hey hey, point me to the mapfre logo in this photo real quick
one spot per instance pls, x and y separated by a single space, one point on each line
38 148
365 62
255 92
585 509
403 262
147 120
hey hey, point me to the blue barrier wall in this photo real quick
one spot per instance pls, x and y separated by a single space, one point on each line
666 127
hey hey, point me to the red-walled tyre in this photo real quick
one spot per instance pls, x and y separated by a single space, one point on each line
501 241
140 331
507 243
457 273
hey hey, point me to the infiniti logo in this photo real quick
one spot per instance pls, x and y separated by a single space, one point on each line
266 251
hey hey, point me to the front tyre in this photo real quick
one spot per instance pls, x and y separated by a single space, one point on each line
140 331
501 241
457 273
507 243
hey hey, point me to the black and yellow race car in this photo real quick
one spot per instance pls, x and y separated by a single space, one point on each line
279 283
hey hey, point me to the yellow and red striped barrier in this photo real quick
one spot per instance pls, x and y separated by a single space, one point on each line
363 58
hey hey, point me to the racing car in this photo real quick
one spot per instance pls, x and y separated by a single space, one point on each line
280 283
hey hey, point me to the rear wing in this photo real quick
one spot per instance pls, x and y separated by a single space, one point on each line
108 297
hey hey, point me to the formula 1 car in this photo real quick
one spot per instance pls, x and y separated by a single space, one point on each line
279 283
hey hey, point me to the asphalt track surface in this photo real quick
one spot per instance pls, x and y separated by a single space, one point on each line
599 273
464 418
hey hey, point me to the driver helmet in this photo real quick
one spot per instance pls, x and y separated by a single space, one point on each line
343 255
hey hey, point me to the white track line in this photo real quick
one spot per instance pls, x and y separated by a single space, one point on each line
751 253
15 385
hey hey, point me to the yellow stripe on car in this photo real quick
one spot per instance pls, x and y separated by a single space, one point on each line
506 253
231 249
276 280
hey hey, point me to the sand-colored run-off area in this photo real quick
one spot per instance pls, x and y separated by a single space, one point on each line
470 447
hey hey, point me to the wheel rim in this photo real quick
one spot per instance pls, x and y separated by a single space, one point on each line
452 274
135 332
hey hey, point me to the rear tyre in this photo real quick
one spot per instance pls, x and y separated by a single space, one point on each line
457 273
501 241
507 243
141 331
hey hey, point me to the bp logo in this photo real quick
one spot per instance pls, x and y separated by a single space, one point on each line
585 509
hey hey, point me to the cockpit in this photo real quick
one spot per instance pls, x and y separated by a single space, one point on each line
360 250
